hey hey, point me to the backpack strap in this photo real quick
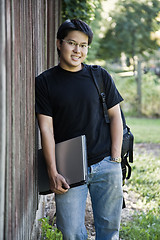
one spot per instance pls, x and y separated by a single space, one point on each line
131 141
96 72
97 78
125 163
124 122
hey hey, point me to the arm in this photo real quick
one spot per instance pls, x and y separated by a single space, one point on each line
116 129
57 182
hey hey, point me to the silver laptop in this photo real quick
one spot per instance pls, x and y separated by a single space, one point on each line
71 161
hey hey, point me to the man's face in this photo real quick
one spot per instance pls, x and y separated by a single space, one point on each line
74 49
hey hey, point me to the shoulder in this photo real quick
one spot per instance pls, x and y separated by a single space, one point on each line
98 70
93 67
47 73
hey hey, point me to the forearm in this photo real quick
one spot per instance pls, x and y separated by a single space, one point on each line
57 182
48 145
116 129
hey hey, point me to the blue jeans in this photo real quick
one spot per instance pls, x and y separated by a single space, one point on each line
105 187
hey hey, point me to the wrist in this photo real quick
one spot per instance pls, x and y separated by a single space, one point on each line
52 172
116 159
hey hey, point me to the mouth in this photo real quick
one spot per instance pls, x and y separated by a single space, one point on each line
75 58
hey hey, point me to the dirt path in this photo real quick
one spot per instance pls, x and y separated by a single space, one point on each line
130 197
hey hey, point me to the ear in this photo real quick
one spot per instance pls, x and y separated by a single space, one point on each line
58 44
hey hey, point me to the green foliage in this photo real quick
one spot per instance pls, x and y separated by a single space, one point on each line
88 11
96 28
49 232
131 25
145 182
81 9
127 88
150 94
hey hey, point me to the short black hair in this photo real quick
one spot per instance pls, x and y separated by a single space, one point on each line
71 25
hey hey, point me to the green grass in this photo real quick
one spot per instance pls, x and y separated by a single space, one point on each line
144 227
144 130
144 182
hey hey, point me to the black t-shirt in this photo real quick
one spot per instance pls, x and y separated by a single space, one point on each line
72 100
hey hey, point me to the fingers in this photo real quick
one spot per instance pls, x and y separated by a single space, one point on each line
59 185
60 190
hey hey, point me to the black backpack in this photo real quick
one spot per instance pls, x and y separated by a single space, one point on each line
128 138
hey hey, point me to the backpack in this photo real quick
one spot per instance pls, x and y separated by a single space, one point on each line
128 138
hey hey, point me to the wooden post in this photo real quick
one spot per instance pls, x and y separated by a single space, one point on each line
25 30
2 114
139 86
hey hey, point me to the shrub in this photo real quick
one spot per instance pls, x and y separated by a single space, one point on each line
49 232
150 94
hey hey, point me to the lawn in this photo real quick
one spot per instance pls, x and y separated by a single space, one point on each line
145 130
144 182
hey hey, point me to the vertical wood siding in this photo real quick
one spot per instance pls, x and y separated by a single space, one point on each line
2 115
27 38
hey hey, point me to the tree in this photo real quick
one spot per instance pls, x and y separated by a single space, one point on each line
96 25
130 28
88 11
132 23
82 9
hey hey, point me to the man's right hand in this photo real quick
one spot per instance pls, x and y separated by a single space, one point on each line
58 184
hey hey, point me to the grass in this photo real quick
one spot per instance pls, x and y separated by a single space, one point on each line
145 182
144 227
145 130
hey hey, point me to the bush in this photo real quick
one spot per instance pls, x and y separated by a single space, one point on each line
127 88
150 94
48 231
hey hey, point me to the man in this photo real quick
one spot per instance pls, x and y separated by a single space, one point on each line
67 106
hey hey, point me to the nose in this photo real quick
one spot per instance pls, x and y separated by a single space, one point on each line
77 48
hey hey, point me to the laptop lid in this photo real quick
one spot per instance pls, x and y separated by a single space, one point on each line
71 162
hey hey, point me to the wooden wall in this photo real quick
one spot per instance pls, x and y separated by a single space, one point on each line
27 47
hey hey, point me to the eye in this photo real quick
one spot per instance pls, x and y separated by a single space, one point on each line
71 43
83 45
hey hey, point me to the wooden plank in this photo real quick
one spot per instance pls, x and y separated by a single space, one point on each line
2 114
8 193
26 29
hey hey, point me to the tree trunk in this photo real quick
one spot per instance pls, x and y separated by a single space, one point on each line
139 86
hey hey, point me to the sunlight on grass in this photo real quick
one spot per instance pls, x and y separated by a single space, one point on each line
145 130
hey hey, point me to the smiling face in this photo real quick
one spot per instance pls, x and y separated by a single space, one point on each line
73 50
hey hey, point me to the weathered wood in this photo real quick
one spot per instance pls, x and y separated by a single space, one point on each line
27 39
2 115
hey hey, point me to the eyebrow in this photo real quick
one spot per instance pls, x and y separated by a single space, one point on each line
76 42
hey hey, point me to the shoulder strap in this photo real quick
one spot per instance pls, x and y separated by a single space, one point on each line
131 141
124 122
96 73
97 78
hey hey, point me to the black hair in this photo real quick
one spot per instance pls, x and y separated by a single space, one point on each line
71 25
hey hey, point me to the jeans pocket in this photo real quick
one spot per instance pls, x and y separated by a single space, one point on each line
100 166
